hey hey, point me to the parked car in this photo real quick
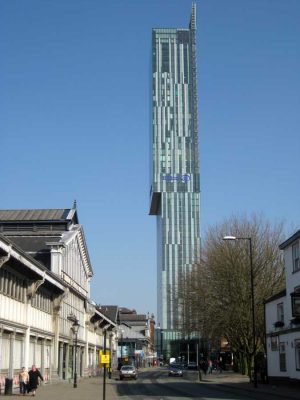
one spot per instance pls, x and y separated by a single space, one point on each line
175 370
128 371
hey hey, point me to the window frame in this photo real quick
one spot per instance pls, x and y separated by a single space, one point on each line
295 257
274 343
280 312
282 357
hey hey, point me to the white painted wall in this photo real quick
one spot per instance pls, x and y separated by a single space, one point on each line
287 334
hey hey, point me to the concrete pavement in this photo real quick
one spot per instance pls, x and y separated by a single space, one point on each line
92 388
241 382
87 389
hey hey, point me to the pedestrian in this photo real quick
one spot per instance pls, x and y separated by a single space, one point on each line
34 376
203 366
23 380
210 366
219 366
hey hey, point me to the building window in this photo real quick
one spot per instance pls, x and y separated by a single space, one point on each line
11 285
295 297
280 312
274 343
282 359
295 252
42 300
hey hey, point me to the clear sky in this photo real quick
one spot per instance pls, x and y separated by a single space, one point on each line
75 120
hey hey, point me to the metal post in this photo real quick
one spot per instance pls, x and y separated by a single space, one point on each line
75 366
75 327
252 301
110 356
121 347
253 313
104 366
162 346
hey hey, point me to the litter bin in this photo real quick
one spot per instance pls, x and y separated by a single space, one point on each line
8 386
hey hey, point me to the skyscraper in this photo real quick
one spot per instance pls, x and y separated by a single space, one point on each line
175 186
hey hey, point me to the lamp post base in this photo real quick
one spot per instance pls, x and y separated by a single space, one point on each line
75 381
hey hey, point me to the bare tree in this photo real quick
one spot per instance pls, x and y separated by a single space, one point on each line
220 284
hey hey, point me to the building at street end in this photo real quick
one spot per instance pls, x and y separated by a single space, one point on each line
283 319
135 335
45 275
175 184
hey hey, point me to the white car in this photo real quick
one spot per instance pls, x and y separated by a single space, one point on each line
128 371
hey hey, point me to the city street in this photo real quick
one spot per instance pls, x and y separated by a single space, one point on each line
156 384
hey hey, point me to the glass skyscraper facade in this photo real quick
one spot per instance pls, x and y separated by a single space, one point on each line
175 182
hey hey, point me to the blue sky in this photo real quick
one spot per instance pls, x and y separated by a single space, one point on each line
74 120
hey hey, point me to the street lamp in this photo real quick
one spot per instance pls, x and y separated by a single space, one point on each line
110 351
252 297
75 328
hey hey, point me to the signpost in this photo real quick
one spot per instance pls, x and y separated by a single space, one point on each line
104 361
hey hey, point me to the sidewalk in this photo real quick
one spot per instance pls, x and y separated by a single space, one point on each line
87 388
241 382
92 388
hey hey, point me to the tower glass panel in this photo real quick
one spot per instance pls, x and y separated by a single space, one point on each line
175 186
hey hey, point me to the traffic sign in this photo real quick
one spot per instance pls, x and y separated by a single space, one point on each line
104 358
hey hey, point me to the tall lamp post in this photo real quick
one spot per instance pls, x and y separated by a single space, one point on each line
122 331
75 328
110 358
252 298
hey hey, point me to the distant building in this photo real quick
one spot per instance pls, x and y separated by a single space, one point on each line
138 322
135 334
45 275
175 186
283 319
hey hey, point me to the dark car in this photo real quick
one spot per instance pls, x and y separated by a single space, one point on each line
128 371
175 370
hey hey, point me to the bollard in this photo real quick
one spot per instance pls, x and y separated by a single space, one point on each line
199 375
8 386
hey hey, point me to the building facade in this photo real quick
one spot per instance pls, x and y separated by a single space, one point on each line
283 319
135 335
175 186
45 275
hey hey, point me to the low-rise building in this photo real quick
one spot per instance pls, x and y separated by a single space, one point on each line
283 319
45 275
135 335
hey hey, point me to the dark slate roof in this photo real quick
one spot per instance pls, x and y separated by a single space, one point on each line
36 215
36 247
290 240
125 310
133 317
110 311
31 259
34 244
276 296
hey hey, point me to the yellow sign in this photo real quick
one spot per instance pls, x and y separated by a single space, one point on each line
104 359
